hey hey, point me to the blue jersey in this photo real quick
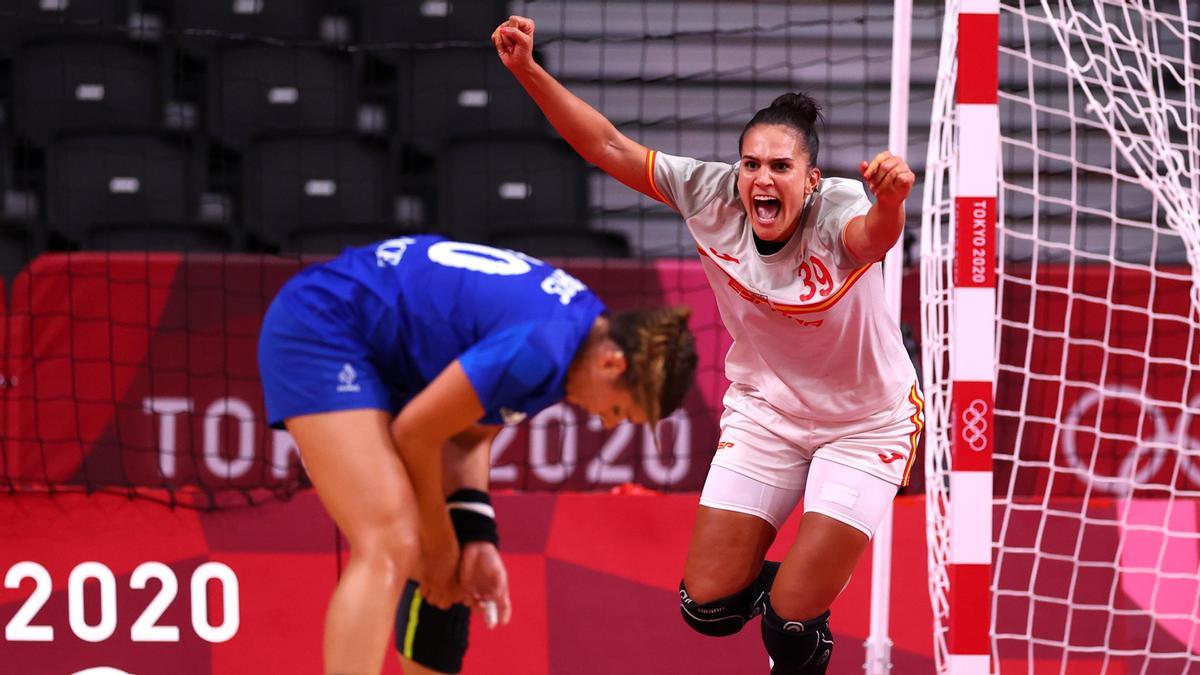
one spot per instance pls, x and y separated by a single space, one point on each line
407 308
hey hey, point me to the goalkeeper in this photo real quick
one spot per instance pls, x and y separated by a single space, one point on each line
823 401
395 357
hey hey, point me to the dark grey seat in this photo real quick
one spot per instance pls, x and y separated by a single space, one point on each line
294 184
103 181
552 242
331 239
405 22
452 92
19 243
189 236
25 20
256 89
62 86
488 185
201 25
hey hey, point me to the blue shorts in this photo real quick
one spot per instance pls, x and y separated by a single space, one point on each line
313 361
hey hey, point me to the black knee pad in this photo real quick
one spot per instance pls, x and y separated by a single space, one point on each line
435 638
796 647
766 578
726 616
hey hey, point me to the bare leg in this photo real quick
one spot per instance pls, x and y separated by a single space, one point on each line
362 483
726 553
817 567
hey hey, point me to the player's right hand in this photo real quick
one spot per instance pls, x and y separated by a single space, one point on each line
485 580
439 575
514 42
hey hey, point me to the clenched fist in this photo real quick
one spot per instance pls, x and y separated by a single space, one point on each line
514 42
888 177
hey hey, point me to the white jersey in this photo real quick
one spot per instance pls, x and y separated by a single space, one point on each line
812 336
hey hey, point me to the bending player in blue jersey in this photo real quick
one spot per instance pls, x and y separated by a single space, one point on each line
458 338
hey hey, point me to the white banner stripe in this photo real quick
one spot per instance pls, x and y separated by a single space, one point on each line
979 7
974 337
970 518
968 664
978 149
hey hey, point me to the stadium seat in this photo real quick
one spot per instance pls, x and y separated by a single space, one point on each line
19 243
97 84
99 183
161 236
254 89
331 239
24 20
295 184
451 92
504 183
6 162
557 242
201 24
386 24
20 178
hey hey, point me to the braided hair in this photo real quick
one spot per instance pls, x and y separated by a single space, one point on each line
661 352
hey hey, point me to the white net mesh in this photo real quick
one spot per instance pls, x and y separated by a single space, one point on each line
937 250
1097 462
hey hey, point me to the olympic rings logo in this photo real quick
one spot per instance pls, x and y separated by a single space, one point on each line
1152 440
975 426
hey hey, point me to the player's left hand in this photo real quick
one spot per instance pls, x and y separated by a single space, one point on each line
514 42
484 579
888 177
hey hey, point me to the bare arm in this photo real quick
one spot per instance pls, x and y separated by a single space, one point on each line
444 409
888 177
482 574
584 128
466 462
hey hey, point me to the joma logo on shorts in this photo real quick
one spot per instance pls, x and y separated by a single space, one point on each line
888 460
724 444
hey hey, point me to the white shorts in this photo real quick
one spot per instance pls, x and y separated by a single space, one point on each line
848 495
760 442
766 461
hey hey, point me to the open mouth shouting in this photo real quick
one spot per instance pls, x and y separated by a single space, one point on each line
767 210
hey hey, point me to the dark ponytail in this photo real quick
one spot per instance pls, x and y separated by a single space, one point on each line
795 110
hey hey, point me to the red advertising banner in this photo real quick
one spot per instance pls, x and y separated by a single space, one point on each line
140 369
104 581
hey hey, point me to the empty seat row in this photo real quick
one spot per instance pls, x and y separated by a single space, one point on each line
199 24
110 187
251 89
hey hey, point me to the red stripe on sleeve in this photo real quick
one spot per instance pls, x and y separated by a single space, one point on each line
650 157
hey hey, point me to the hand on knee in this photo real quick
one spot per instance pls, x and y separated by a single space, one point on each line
726 616
796 647
392 554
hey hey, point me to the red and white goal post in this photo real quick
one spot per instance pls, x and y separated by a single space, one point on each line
1061 337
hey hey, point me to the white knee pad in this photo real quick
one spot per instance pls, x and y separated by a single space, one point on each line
848 495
